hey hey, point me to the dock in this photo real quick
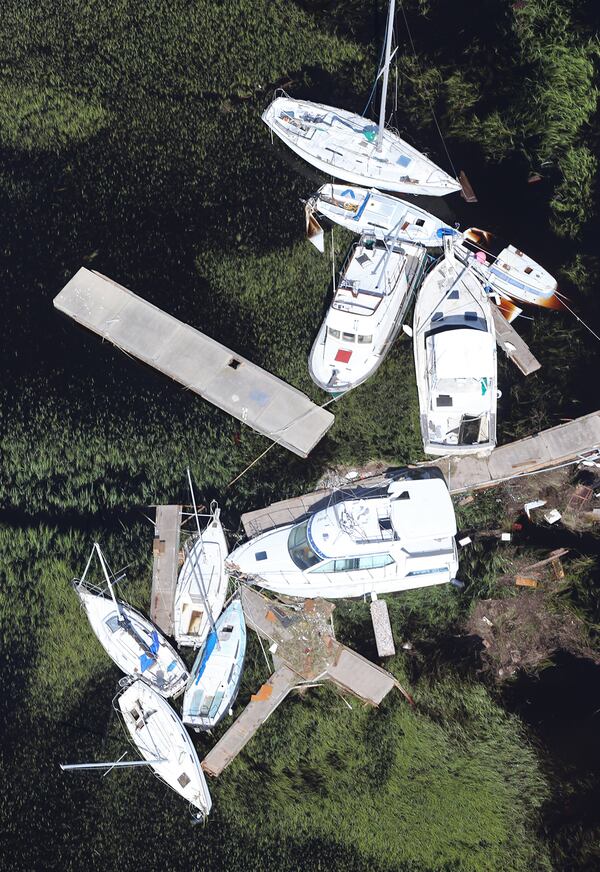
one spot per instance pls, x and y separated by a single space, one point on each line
384 638
165 566
254 396
515 347
305 652
565 443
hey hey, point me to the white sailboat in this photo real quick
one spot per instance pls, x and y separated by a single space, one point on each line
369 211
353 148
215 677
358 546
130 640
373 294
506 269
161 739
455 360
202 582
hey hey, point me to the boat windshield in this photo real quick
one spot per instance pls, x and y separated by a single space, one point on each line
299 547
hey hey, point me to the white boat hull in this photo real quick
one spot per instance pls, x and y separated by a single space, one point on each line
215 677
342 145
203 591
160 737
140 651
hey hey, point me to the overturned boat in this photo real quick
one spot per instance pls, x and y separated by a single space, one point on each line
353 148
359 545
363 210
215 677
505 269
455 360
202 582
375 288
162 740
136 646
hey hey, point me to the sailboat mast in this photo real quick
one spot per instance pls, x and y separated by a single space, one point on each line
107 577
386 69
195 573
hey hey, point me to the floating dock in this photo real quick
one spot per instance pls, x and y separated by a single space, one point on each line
165 567
516 348
562 444
251 394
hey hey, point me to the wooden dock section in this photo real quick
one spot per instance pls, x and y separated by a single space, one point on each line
562 444
260 707
516 348
251 394
384 638
165 566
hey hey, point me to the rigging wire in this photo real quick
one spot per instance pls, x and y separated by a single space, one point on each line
562 299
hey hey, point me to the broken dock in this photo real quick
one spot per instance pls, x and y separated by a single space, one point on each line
165 566
251 394
513 345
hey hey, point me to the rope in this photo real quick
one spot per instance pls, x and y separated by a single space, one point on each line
575 315
429 100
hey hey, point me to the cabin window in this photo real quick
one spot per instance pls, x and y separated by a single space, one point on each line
365 340
348 337
113 623
335 334
351 564
375 561
300 551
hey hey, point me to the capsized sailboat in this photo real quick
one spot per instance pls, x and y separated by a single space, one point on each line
353 148
215 677
507 270
369 211
202 582
136 646
161 739
454 343
374 292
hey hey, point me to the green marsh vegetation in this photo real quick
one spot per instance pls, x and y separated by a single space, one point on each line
132 144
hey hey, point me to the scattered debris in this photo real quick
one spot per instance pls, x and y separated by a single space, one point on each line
466 501
506 537
552 516
465 541
534 504
522 581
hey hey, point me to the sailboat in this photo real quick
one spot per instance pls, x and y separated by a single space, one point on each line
202 582
353 148
373 294
130 640
215 677
454 343
363 210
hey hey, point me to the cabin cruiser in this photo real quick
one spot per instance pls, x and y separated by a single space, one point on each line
505 269
373 294
455 360
369 211
358 546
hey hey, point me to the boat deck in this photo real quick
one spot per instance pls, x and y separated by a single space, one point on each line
516 348
251 394
165 566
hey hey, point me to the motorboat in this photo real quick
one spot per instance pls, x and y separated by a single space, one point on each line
354 148
454 343
363 210
358 545
215 677
375 289
161 739
136 646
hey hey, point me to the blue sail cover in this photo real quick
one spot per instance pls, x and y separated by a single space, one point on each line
209 647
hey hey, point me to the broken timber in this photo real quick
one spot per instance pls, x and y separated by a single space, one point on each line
516 348
165 566
382 628
563 444
251 394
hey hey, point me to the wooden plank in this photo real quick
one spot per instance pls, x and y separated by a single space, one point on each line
467 192
364 679
165 566
516 348
554 555
261 707
382 628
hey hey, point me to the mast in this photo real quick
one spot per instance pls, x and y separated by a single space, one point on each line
108 581
386 69
198 575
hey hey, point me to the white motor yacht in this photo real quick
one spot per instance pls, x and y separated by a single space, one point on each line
358 546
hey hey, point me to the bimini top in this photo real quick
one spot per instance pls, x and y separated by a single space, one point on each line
460 354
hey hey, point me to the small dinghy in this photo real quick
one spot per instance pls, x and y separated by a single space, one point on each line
215 677
374 292
130 639
353 148
361 210
506 270
162 740
202 583
455 360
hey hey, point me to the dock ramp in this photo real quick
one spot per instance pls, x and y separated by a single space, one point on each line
165 566
515 347
251 394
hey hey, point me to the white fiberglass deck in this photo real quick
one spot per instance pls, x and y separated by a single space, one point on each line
229 381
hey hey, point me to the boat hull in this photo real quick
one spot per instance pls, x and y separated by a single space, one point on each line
342 145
